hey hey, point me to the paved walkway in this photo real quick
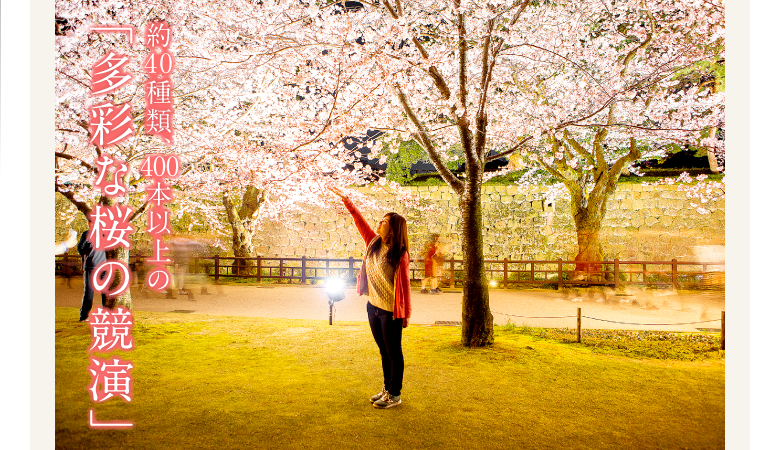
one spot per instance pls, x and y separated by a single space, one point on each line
310 302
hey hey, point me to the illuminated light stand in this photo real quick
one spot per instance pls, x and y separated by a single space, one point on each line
334 288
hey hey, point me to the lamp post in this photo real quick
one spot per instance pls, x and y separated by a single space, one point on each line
334 288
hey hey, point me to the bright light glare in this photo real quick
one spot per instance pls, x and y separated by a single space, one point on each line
493 283
334 286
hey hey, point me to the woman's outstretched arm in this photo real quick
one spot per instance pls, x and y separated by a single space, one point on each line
363 227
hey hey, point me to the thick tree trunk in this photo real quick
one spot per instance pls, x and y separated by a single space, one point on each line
477 320
589 208
588 213
239 219
242 248
589 247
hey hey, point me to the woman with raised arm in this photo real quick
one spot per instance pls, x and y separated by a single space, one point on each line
384 277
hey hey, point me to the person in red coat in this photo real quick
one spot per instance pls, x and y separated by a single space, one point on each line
384 277
432 257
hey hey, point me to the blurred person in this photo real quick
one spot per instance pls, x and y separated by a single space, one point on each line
63 247
138 273
384 276
185 255
182 252
67 268
90 259
433 263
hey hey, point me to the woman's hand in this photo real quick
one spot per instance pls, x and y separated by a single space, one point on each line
405 323
338 192
72 239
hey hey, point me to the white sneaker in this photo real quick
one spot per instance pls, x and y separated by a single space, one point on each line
388 401
378 396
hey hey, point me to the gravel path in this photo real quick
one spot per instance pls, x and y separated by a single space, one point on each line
310 302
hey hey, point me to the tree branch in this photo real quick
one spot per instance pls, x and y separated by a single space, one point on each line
578 148
632 155
487 69
598 148
578 66
390 9
508 152
81 206
425 141
519 11
80 161
462 57
630 56
140 211
551 169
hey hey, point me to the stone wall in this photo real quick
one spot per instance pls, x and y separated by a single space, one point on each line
642 223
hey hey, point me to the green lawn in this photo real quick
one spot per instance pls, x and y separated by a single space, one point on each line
239 382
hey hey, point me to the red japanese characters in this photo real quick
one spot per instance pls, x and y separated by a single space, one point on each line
110 124
108 74
158 116
109 179
158 168
111 330
110 378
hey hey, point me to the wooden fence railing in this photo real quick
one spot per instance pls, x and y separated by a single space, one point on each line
504 273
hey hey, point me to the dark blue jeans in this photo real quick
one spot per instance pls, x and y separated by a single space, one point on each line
89 293
387 334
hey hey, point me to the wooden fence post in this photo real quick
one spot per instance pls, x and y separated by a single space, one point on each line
579 325
303 269
216 268
452 271
259 270
674 274
351 267
506 275
560 274
617 274
723 330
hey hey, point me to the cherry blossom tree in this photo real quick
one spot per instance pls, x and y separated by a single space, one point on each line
577 89
269 90
242 127
621 98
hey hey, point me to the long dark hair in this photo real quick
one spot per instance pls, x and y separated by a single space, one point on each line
398 240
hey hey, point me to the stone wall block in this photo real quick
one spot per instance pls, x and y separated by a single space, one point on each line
667 195
651 220
639 219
